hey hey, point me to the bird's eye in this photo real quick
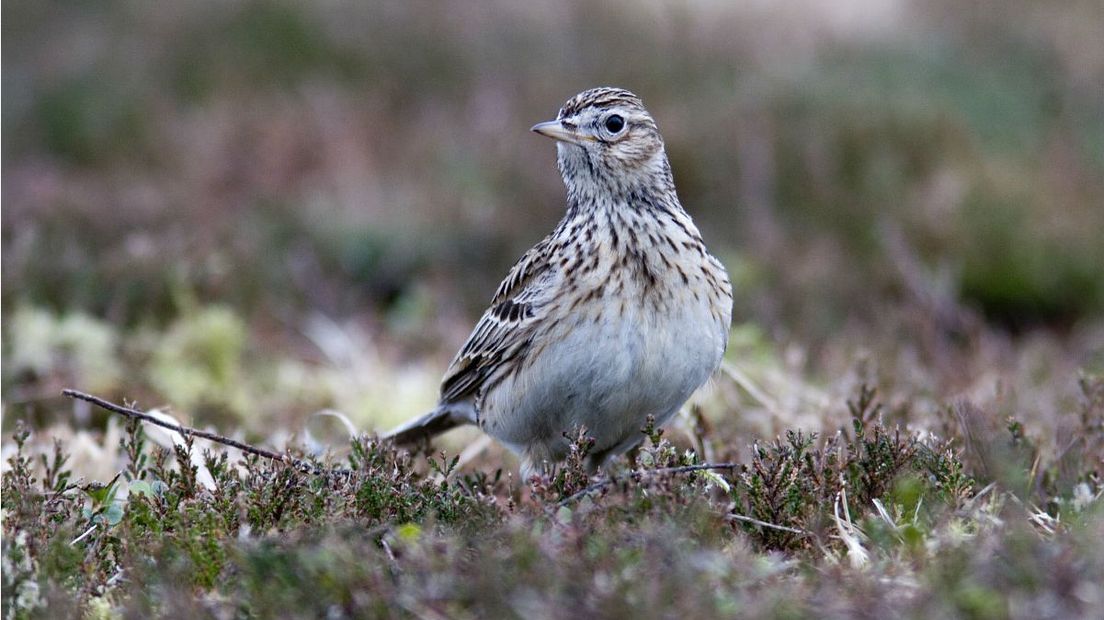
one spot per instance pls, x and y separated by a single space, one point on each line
615 123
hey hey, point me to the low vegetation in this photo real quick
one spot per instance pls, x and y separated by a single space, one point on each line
869 517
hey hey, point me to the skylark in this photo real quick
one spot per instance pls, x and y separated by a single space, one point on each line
619 314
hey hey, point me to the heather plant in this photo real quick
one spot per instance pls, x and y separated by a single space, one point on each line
378 527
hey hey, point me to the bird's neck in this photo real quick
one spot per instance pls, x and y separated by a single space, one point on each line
649 189
632 217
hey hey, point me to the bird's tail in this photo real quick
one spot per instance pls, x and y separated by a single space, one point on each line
428 426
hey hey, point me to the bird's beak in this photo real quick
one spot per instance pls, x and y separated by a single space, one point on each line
556 131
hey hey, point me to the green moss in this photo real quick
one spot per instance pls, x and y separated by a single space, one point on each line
38 343
197 364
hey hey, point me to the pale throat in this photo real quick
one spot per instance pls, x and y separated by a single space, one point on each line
646 184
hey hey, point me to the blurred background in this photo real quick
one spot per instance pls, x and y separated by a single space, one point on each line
253 211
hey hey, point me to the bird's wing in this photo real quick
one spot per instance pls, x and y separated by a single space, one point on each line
505 331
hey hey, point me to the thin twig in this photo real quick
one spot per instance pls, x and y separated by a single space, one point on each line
784 528
90 529
637 475
131 412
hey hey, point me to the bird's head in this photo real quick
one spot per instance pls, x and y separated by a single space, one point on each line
607 140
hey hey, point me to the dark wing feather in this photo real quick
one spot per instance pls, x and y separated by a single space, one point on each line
505 330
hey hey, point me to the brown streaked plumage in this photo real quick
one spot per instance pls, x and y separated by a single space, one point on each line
619 314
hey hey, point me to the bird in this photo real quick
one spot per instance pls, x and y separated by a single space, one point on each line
618 315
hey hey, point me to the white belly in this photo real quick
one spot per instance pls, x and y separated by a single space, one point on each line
607 375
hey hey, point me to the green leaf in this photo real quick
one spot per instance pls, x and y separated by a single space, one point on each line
141 487
409 532
99 493
114 514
